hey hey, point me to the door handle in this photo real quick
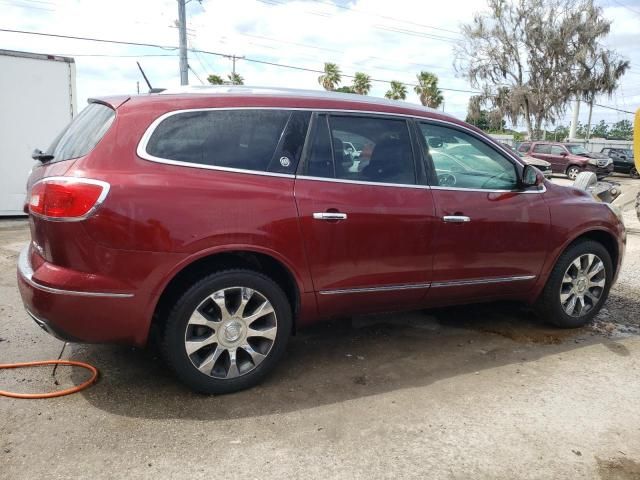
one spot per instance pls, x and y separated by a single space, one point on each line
456 219
329 216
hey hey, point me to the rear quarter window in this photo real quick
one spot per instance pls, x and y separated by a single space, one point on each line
83 133
261 140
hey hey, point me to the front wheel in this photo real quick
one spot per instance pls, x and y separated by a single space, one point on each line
578 285
227 331
572 172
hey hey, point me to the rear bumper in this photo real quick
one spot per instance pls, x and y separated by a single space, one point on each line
88 316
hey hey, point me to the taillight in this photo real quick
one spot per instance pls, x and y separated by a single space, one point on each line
66 198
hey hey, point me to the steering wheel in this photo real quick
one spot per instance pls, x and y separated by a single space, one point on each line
446 179
504 175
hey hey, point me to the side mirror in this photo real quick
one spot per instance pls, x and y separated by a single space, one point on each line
531 177
564 154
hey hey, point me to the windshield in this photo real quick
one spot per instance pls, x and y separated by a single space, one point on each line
577 149
83 133
629 153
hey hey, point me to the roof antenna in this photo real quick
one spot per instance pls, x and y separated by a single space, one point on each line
151 89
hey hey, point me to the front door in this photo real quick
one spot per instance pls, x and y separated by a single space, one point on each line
558 158
491 238
366 220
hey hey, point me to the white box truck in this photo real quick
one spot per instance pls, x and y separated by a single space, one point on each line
37 99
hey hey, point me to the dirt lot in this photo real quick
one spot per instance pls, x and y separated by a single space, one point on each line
476 392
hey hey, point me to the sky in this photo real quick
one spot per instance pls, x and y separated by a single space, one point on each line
387 40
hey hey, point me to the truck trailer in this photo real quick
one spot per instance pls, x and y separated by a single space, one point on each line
37 99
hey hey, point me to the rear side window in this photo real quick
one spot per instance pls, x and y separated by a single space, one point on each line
366 149
262 140
541 148
524 147
83 133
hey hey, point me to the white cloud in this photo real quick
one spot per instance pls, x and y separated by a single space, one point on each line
302 33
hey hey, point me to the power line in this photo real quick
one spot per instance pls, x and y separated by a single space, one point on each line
627 7
386 17
219 54
613 108
378 27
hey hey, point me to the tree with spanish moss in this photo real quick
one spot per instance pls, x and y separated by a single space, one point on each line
531 57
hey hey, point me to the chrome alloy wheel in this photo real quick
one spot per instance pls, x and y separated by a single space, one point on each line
230 332
583 285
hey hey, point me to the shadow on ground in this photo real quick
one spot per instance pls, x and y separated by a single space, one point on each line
339 361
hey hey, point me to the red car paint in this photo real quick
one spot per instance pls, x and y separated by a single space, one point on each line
101 279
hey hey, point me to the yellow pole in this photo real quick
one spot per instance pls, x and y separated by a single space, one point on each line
636 140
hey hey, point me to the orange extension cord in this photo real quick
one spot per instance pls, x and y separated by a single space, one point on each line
59 393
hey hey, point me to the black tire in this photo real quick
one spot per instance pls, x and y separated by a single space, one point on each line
634 173
572 172
173 342
549 306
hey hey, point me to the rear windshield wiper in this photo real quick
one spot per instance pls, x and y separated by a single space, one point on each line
40 155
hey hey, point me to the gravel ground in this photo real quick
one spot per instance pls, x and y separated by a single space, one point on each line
476 392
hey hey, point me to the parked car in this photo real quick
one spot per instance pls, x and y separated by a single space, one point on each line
623 161
542 165
224 220
568 158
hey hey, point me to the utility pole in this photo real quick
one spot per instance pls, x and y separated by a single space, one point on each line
182 32
233 59
574 121
589 122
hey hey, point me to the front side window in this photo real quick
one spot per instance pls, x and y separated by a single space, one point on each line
577 150
83 133
243 139
369 149
557 150
542 148
463 161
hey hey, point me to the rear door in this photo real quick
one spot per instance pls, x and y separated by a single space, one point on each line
490 238
558 158
367 222
542 151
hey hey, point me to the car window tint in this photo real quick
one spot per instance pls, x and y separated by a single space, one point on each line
556 150
83 133
320 160
286 158
463 161
244 139
372 149
541 148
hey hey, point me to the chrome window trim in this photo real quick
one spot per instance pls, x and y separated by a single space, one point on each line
26 273
141 149
103 195
385 288
538 190
482 281
362 182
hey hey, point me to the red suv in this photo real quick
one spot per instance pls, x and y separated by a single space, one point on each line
569 158
226 218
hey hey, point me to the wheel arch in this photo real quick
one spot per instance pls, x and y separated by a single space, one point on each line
206 264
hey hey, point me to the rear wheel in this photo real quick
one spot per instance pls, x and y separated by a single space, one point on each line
634 173
572 172
578 285
227 331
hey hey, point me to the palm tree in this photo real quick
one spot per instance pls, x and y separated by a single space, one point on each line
361 83
398 91
428 91
236 79
331 77
215 80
